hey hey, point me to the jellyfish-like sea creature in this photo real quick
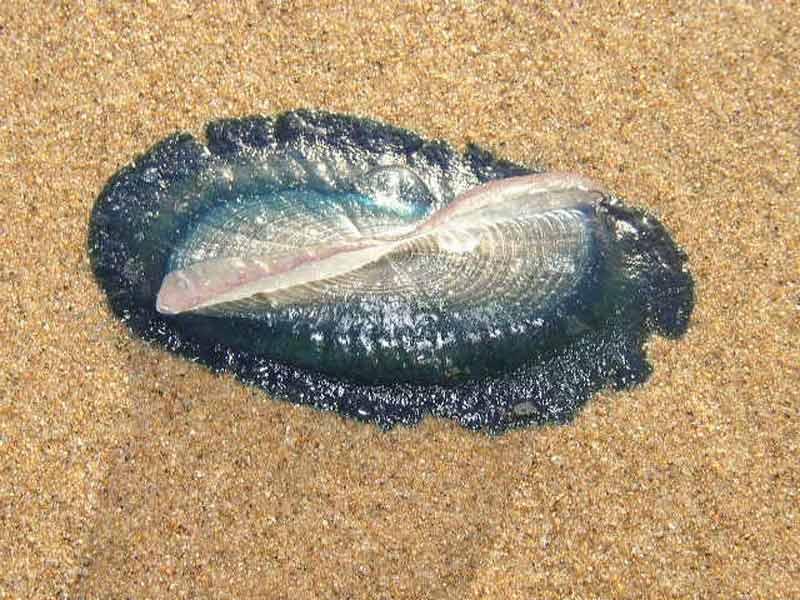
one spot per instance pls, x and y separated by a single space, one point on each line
348 264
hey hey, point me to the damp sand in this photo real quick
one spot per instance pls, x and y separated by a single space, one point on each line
127 472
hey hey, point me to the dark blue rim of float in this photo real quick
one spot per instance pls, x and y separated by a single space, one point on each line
551 388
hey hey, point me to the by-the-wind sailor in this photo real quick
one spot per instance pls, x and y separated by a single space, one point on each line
355 266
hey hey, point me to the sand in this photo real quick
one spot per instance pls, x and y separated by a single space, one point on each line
126 472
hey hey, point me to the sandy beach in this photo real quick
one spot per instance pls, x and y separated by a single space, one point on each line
127 472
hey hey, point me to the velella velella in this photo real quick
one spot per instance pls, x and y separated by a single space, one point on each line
352 265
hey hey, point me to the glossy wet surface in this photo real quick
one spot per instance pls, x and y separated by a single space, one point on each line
497 299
